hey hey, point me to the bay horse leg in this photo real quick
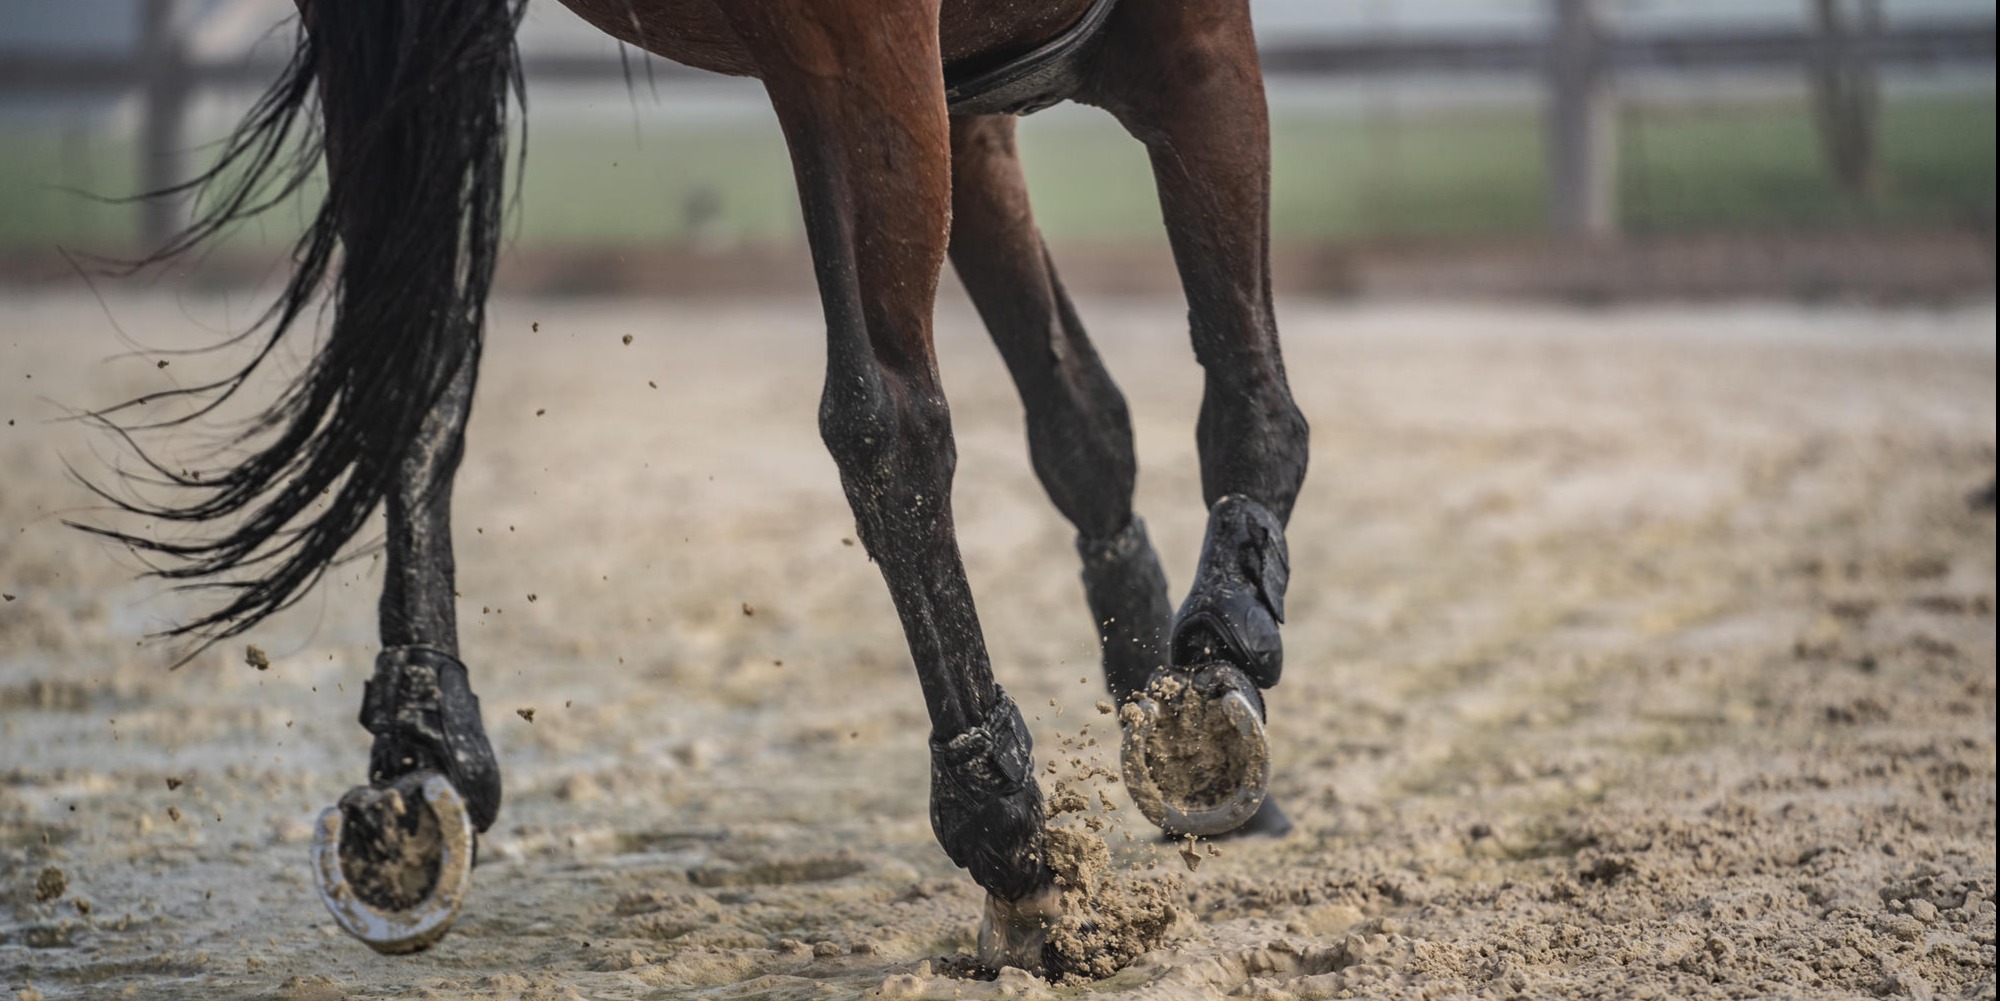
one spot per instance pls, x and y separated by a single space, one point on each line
1184 79
1079 431
861 100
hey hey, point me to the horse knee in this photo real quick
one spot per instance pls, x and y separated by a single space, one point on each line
891 438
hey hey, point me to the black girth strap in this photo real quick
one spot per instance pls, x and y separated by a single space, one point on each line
1042 77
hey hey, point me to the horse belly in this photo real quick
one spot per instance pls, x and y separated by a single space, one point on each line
690 32
695 33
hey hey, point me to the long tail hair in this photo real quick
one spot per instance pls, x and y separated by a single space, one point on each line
414 100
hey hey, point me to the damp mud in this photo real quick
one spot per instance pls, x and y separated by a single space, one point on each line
1110 917
1629 653
1196 757
390 847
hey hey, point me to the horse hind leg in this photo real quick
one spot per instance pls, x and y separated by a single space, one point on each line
417 178
1184 79
862 106
1079 430
393 857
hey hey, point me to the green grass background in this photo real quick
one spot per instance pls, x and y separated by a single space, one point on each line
1338 176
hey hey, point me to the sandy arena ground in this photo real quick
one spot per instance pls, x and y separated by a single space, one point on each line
1633 653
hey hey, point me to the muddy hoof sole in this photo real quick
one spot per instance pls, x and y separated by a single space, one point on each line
1196 760
396 905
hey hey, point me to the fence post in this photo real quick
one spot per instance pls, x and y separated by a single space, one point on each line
1581 125
162 123
1845 96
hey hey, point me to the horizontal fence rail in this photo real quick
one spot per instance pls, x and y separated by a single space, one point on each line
1933 44
1577 59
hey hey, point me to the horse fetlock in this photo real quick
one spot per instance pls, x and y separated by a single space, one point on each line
1237 602
1127 594
421 709
986 809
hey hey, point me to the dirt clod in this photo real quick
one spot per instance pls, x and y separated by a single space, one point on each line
254 656
1189 855
1109 917
50 884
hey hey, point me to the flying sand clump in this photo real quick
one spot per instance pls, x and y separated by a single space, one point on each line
1110 917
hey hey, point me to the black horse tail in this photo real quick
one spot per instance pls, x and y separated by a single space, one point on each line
415 100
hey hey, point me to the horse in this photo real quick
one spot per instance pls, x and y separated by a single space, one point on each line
899 116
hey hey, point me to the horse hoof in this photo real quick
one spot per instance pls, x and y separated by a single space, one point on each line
1013 933
1195 757
393 864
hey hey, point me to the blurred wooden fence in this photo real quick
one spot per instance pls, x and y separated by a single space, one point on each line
1578 58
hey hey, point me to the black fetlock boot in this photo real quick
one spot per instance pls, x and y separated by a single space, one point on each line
424 716
986 811
1237 601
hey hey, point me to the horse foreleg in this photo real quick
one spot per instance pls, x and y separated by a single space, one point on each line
1184 79
1079 431
861 101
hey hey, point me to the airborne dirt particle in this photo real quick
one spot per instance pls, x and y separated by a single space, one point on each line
50 884
254 656
173 783
1189 855
174 814
526 714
